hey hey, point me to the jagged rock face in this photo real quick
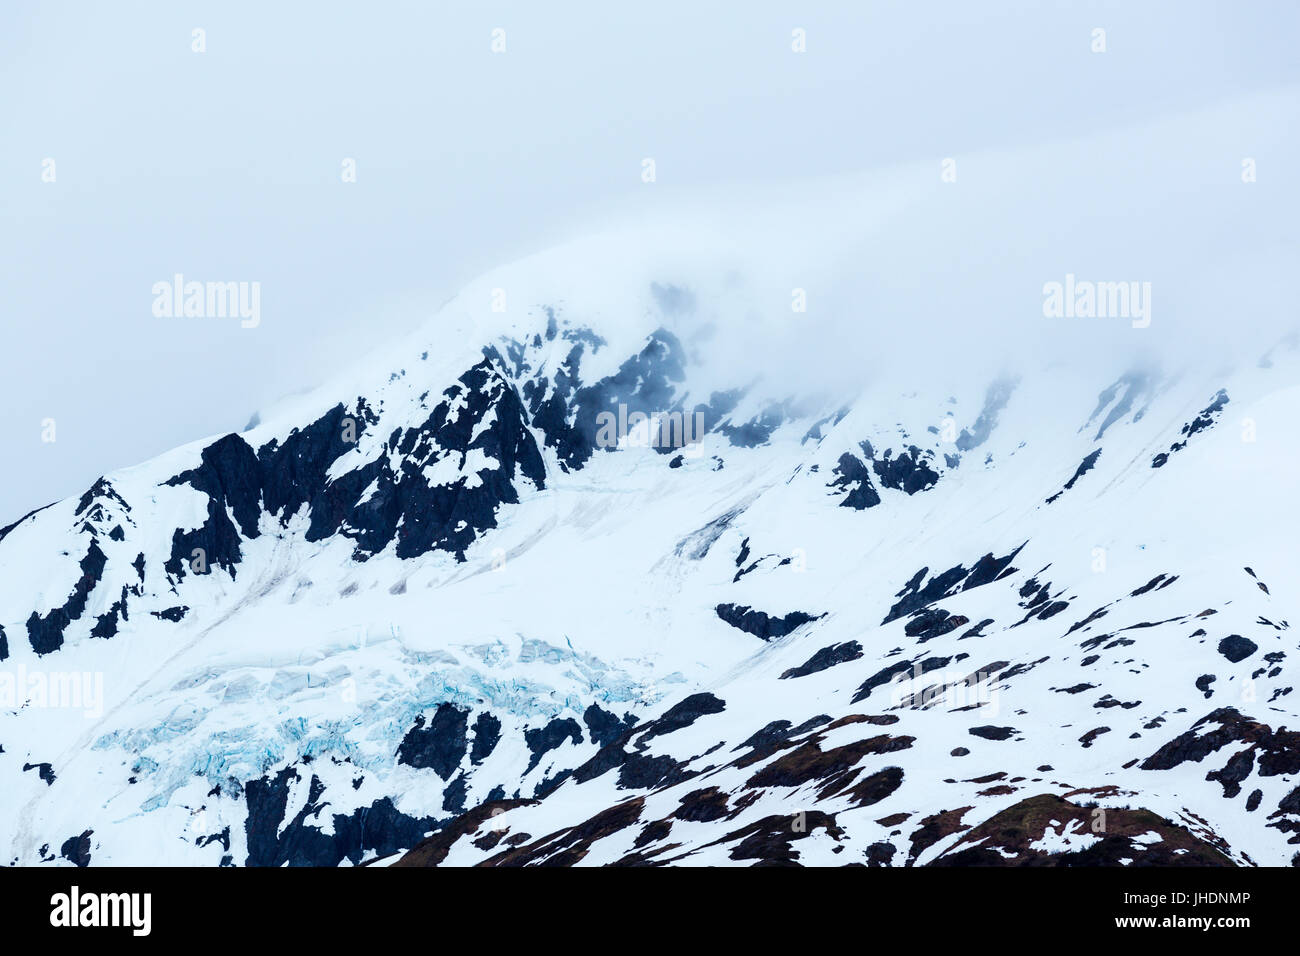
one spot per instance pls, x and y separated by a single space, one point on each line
389 498
479 417
437 614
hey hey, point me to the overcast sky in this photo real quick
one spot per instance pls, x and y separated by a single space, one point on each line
225 164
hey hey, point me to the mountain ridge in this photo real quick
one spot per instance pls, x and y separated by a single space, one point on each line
346 628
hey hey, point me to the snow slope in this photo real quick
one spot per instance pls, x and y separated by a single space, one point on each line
907 601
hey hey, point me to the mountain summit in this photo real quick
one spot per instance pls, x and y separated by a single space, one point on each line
593 588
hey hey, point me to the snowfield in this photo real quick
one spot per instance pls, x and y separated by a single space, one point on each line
913 599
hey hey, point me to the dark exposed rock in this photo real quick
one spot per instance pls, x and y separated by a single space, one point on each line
914 596
1149 586
481 412
1014 830
682 714
1277 751
636 770
44 770
293 472
653 832
702 806
569 846
1291 802
1085 466
106 623
223 838
897 670
815 433
605 727
770 738
977 630
640 772
876 787
453 796
1094 616
763 626
1231 774
274 841
567 413
487 731
102 489
825 658
1206 418
989 732
769 840
1076 689
910 472
215 543
1237 648
809 762
880 854
757 431
934 828
1200 423
995 399
1134 384
544 739
441 745
45 633
855 477
230 475
1088 738
77 849
933 622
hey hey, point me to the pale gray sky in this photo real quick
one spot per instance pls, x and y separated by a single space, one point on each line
226 164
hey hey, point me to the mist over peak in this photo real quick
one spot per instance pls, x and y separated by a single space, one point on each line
1169 261
859 440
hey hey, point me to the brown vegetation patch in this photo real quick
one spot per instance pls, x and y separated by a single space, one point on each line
810 762
934 828
568 847
434 849
769 840
1014 829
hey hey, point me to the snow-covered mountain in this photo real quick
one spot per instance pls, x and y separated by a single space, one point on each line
624 558
902 628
